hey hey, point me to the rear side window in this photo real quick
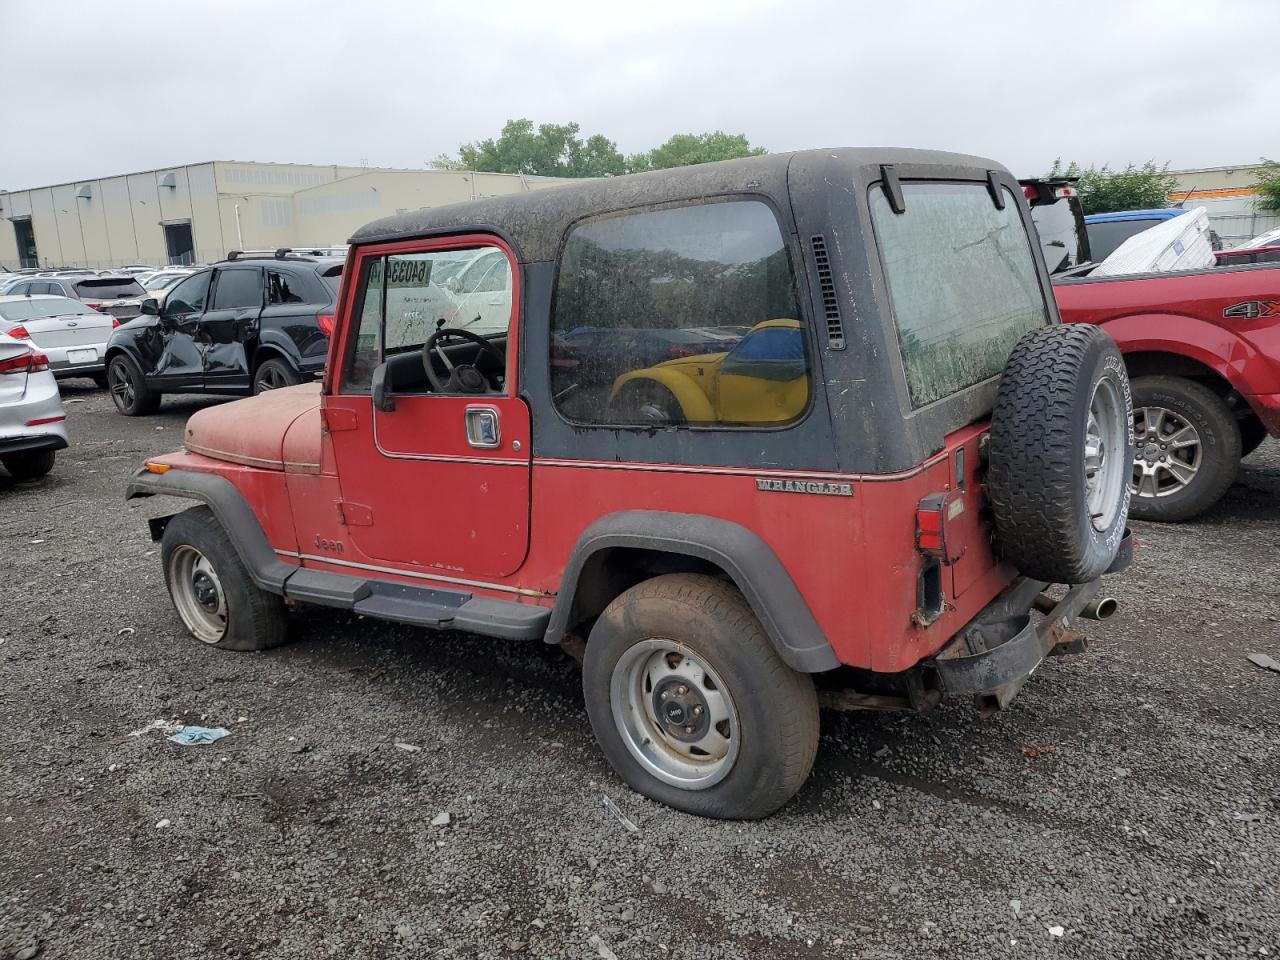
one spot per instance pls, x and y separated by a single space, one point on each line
963 281
109 289
283 288
682 315
238 289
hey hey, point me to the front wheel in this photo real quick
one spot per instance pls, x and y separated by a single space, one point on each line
212 591
692 705
28 466
1187 448
129 390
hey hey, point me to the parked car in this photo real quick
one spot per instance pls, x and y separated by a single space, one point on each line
1203 350
72 335
1108 230
886 538
135 269
243 326
159 284
117 296
32 420
1264 248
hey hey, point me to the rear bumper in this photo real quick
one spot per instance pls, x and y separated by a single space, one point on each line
62 366
1004 645
32 443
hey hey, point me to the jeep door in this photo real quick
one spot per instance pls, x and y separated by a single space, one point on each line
229 327
169 351
435 482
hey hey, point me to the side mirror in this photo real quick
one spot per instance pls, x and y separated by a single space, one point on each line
381 390
150 307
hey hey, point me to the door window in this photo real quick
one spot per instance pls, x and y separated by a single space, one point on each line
682 315
189 295
402 303
238 289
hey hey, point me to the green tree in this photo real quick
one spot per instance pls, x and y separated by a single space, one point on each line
1268 183
1103 190
550 150
685 149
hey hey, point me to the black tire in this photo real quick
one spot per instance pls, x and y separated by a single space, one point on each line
647 401
253 618
1252 435
273 374
777 708
129 390
28 466
1038 483
1220 443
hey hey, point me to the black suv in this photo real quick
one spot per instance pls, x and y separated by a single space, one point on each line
247 324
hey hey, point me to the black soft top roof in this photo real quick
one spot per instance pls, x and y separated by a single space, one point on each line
534 221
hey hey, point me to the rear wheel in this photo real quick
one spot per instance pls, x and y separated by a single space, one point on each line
129 390
692 705
28 466
273 374
1187 448
214 595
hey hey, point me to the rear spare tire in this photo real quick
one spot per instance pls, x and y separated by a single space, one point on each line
1061 454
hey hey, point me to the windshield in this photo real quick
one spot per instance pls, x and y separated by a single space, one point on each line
963 281
110 288
50 307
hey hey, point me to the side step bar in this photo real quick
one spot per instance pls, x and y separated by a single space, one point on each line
419 606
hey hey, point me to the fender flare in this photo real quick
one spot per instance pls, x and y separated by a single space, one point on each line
275 342
752 565
694 404
220 495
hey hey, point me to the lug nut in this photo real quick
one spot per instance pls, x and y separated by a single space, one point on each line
688 729
682 689
697 709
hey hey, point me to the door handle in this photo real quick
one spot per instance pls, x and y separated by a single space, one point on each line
483 428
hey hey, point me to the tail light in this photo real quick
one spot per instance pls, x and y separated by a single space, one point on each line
19 333
115 322
94 306
325 322
932 516
27 363
1030 192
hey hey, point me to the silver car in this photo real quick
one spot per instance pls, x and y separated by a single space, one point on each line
70 333
32 421
121 295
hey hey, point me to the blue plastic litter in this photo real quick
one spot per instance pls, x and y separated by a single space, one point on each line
194 736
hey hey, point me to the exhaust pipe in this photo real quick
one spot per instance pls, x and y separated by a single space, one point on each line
1099 608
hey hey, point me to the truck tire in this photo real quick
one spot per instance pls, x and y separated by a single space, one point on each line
129 390
692 705
1188 448
28 466
1061 454
215 597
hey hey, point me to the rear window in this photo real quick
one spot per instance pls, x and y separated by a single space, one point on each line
332 278
1063 240
963 282
35 309
109 288
683 315
1106 237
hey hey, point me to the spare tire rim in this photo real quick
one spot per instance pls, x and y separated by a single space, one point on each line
198 594
1167 452
1104 444
674 714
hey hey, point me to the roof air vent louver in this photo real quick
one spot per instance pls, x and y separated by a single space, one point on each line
827 287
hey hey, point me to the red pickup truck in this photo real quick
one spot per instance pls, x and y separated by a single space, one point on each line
1202 349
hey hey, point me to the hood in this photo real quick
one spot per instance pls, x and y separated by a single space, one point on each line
252 431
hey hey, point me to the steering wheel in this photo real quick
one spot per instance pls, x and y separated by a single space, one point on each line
465 377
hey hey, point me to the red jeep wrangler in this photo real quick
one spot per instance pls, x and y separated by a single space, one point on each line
745 437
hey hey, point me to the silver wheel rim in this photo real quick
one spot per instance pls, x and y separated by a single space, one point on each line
693 742
121 385
1104 444
1167 452
198 594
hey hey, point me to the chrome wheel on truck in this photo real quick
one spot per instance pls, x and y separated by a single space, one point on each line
674 714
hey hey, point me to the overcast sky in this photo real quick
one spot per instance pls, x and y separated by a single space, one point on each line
100 88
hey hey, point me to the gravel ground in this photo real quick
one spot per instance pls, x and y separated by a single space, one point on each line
1126 806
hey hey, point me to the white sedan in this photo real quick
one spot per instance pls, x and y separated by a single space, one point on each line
71 334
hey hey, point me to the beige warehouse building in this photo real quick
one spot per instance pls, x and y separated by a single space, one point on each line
197 213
